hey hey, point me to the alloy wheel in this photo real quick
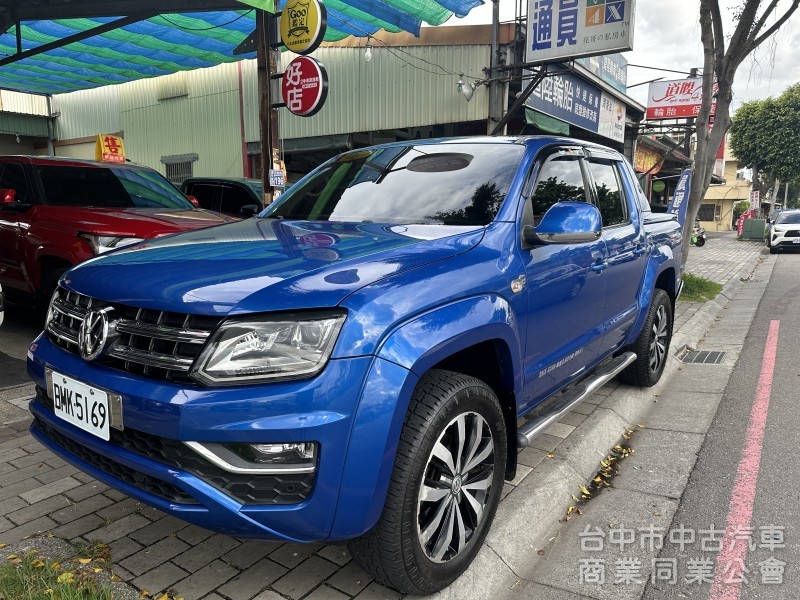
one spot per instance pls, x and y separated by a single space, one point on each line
658 342
455 487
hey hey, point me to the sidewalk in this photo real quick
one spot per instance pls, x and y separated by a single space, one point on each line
156 552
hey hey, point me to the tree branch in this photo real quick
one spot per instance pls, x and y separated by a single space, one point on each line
775 26
738 46
757 27
719 34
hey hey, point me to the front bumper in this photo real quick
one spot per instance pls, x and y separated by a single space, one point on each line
148 461
785 239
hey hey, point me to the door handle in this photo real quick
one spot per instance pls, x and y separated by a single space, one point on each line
638 251
597 268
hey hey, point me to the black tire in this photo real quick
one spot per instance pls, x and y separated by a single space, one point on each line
773 250
652 345
404 550
49 284
700 242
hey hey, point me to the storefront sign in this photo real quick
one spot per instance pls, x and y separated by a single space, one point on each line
303 24
304 86
570 28
646 158
612 118
109 148
676 99
568 97
611 68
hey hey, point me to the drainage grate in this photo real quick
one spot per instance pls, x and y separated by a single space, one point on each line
704 357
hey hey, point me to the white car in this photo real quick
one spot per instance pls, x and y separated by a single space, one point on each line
784 231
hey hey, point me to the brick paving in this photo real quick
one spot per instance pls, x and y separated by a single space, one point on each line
155 552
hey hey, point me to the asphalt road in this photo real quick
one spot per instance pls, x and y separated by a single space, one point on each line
745 478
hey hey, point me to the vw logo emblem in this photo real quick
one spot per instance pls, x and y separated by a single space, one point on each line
93 334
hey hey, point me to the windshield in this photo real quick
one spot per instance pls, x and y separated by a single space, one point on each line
451 184
109 187
791 218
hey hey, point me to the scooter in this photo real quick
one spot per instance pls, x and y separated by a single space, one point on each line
698 235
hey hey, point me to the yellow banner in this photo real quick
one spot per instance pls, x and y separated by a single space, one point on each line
109 148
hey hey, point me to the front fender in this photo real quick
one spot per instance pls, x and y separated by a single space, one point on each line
426 340
405 355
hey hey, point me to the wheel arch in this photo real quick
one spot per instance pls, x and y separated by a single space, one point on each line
451 337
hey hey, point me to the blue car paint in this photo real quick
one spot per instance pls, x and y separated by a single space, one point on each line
394 332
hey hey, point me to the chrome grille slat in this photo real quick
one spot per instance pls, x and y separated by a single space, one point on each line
150 343
63 333
69 310
149 358
162 332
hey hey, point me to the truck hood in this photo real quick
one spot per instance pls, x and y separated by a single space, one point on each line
261 265
134 222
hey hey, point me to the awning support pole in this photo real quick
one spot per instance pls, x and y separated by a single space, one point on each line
73 38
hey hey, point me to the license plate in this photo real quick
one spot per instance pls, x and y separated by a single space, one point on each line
82 405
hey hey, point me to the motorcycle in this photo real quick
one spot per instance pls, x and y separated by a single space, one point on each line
698 235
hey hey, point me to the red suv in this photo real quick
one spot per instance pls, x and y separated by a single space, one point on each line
57 212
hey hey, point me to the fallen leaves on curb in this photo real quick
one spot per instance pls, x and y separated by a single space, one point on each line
609 467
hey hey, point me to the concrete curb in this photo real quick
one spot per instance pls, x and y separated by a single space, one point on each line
531 513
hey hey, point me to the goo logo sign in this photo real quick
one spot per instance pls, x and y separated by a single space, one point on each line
303 24
304 86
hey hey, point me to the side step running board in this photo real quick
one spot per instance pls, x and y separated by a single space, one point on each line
572 397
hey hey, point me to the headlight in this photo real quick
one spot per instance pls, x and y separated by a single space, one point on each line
251 350
104 243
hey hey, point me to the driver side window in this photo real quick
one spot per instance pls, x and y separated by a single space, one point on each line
13 178
560 180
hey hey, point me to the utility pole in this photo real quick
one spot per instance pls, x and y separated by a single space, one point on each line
495 99
268 116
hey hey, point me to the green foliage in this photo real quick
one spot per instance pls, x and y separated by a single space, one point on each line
739 208
699 289
29 577
767 133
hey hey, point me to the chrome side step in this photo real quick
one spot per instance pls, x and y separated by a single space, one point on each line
572 397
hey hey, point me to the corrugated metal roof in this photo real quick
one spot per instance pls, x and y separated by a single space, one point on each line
176 42
28 125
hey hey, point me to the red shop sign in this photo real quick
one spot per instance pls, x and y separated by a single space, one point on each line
304 86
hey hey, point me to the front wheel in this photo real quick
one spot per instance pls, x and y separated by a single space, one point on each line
445 487
652 345
701 241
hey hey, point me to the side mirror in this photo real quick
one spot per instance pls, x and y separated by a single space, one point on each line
8 196
193 200
248 210
566 223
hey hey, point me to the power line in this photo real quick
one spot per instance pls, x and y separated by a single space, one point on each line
174 24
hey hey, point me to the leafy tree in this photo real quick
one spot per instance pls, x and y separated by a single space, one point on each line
755 22
765 135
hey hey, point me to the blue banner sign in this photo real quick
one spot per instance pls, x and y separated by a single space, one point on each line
568 97
680 199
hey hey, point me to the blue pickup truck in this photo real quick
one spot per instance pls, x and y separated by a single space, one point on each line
352 364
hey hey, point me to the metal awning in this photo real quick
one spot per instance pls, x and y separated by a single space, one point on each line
85 47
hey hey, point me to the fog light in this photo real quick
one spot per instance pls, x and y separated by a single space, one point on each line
303 453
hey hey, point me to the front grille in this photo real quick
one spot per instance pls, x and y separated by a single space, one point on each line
247 488
151 485
156 344
792 233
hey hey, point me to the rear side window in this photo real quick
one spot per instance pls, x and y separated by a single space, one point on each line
233 199
560 180
205 194
610 198
13 178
